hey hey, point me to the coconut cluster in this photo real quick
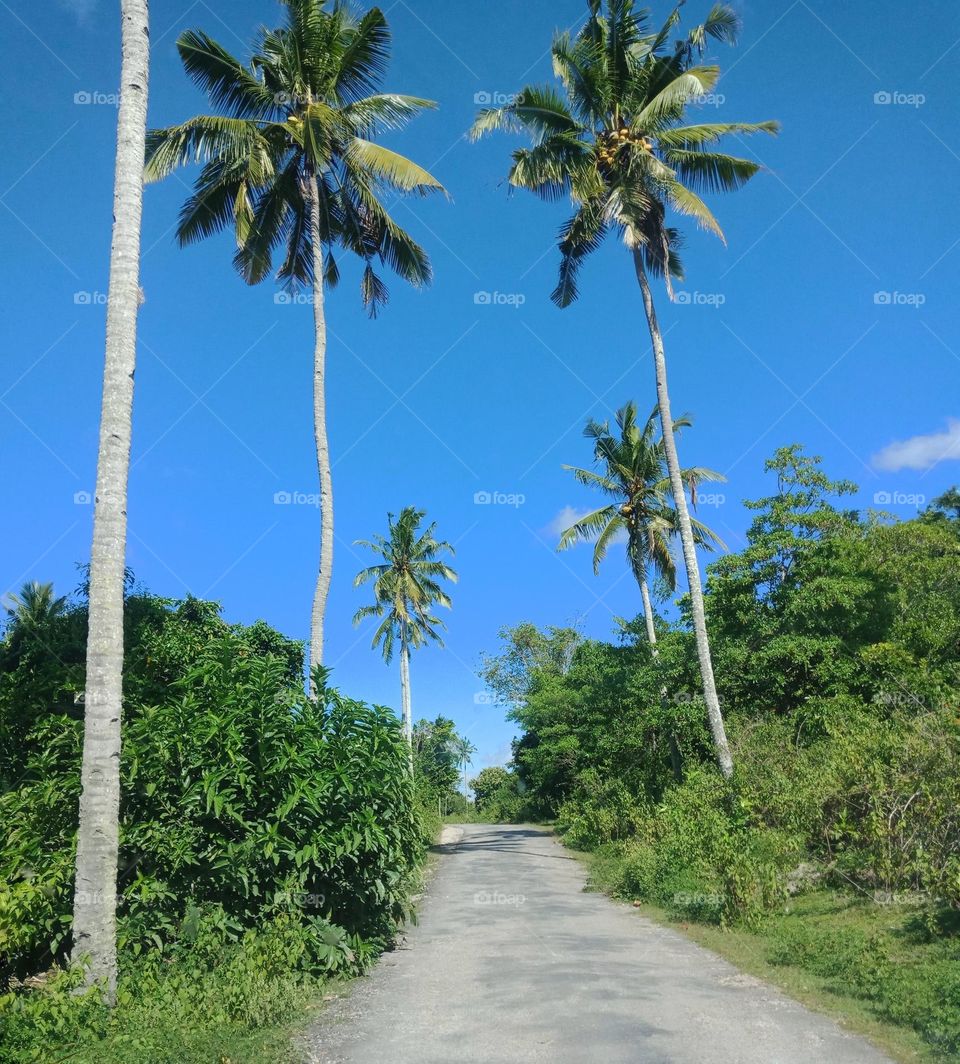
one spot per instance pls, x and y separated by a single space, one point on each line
611 142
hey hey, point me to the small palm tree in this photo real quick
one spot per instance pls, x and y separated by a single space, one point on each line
34 607
290 164
633 474
464 750
615 141
405 592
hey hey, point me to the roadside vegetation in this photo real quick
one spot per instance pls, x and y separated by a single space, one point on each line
837 840
269 840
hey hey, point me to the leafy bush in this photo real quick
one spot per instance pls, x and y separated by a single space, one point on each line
265 836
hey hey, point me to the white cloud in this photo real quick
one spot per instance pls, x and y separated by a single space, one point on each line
80 9
921 452
570 515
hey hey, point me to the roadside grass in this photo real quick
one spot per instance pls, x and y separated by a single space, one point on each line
874 968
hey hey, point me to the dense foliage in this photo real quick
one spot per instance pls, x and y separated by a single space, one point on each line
837 644
256 822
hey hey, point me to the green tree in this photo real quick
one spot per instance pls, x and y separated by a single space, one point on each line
290 164
406 588
527 652
487 783
614 140
464 750
94 907
434 754
633 474
33 609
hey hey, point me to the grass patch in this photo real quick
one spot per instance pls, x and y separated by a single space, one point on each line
877 969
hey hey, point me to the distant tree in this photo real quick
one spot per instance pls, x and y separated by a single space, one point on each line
33 608
632 472
464 751
435 754
945 508
486 784
526 651
406 588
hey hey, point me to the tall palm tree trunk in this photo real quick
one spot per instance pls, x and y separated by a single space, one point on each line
320 435
675 760
95 888
717 729
648 614
406 704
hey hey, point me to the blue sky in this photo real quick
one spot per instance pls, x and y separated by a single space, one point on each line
829 319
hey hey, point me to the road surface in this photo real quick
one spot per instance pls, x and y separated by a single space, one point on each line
512 961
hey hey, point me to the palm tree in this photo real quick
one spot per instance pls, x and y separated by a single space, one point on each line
464 750
405 591
633 473
34 607
95 888
614 140
289 163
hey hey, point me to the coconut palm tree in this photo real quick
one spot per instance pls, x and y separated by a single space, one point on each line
613 138
464 750
94 903
289 164
34 607
633 474
405 591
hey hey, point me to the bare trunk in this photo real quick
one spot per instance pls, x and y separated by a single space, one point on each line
406 705
320 435
648 614
721 747
95 888
675 762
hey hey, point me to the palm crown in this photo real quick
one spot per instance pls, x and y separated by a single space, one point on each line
633 474
406 583
296 124
614 140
